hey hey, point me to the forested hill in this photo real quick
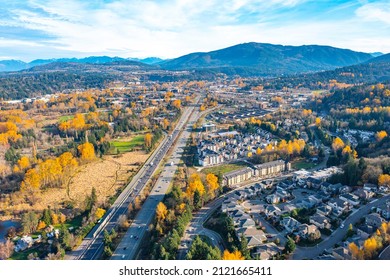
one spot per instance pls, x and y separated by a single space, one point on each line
259 59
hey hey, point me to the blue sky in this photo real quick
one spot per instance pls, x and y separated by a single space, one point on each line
33 29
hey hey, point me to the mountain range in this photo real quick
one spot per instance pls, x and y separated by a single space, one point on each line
307 66
269 60
17 65
248 59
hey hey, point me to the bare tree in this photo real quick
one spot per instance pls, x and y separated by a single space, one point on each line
6 249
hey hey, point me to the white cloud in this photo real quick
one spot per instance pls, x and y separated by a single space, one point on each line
376 12
175 27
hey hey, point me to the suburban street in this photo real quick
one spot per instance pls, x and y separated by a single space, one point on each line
195 227
92 246
337 236
130 243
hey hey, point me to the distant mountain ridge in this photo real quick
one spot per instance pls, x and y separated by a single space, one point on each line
17 65
382 58
268 60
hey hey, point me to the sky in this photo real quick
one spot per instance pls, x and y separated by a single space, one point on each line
33 29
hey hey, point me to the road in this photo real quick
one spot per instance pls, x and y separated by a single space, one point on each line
129 245
195 227
92 246
385 255
338 235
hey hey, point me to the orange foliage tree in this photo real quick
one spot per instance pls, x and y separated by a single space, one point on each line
380 135
236 255
384 180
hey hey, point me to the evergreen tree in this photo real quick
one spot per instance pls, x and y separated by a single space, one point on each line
46 217
290 246
244 247
197 200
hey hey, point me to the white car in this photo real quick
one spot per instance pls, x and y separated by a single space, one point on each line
342 226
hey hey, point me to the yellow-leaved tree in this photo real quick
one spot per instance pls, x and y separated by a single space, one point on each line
161 211
380 135
337 144
99 213
195 184
87 151
236 255
23 163
148 140
212 182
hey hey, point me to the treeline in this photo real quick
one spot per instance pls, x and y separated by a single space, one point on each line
24 85
373 245
356 74
43 223
172 217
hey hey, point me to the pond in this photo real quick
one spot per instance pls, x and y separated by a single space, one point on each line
4 226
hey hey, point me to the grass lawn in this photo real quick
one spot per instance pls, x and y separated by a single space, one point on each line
224 168
74 223
127 146
302 164
24 254
65 118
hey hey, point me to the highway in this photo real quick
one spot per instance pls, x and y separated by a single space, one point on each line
130 243
92 246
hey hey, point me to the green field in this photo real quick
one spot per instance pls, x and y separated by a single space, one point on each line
224 168
127 146
65 118
302 165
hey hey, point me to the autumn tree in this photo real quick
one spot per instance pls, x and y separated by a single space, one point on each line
32 180
355 251
41 225
165 123
55 219
148 140
161 211
24 163
212 183
86 151
235 255
318 122
99 213
68 162
380 135
337 144
195 183
370 246
384 180
177 103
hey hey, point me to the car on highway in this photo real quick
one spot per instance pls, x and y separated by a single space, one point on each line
342 225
